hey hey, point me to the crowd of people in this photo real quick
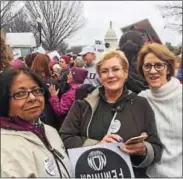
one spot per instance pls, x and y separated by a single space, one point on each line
49 105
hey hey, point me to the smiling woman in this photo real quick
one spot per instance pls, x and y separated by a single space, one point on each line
27 148
112 112
157 64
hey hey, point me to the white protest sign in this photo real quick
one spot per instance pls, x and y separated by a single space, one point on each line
40 49
100 161
16 53
53 54
99 46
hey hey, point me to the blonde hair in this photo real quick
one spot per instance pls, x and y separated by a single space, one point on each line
162 52
111 54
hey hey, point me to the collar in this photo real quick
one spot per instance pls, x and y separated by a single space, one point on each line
88 66
125 93
18 124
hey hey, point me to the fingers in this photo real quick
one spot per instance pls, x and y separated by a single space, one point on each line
111 138
114 137
134 149
52 90
58 91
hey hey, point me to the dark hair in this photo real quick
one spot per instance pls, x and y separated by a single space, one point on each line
30 58
130 43
6 80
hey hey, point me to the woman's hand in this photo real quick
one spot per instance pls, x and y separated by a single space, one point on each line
138 148
111 138
55 75
53 91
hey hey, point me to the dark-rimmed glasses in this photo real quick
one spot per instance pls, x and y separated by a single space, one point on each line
157 66
25 94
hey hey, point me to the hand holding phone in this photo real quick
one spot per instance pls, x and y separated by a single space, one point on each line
137 139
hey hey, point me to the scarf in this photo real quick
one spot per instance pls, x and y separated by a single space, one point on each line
19 124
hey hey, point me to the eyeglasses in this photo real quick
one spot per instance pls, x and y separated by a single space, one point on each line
24 94
115 71
157 66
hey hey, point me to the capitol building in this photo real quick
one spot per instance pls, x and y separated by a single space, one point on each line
111 38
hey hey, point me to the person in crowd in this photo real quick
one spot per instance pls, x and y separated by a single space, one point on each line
79 62
90 121
55 69
28 148
179 73
65 65
88 55
17 63
63 105
157 64
72 59
65 62
5 56
130 43
30 58
41 67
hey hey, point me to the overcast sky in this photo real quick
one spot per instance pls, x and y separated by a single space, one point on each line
121 13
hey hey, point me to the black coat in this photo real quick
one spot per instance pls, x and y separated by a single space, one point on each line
136 117
48 116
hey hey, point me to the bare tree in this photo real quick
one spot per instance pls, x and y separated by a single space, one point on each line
63 47
60 20
7 13
20 23
172 12
76 49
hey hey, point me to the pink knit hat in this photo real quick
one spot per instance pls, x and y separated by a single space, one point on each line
52 63
79 74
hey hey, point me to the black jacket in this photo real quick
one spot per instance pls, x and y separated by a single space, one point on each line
48 116
136 117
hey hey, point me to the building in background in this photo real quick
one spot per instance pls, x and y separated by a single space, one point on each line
110 39
21 44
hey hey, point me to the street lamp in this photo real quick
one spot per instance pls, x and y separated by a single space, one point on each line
39 29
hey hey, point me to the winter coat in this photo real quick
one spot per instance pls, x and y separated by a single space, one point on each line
49 116
136 117
62 106
64 86
23 154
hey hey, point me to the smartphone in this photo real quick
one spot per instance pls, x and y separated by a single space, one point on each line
137 139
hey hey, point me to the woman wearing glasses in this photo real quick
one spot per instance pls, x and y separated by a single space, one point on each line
110 113
157 64
27 148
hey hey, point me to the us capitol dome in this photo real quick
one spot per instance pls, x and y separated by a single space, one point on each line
110 38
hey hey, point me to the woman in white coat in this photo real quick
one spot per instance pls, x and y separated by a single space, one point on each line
29 148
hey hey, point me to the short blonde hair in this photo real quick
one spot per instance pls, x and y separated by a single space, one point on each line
162 52
111 54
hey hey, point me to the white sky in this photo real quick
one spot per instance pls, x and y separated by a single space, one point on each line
121 13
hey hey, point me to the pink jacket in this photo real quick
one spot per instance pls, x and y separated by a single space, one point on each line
63 105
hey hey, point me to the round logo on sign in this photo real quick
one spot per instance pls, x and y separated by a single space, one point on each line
115 126
101 163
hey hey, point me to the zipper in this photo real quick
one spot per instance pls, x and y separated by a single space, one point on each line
87 130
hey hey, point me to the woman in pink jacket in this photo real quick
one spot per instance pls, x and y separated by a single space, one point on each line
75 78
